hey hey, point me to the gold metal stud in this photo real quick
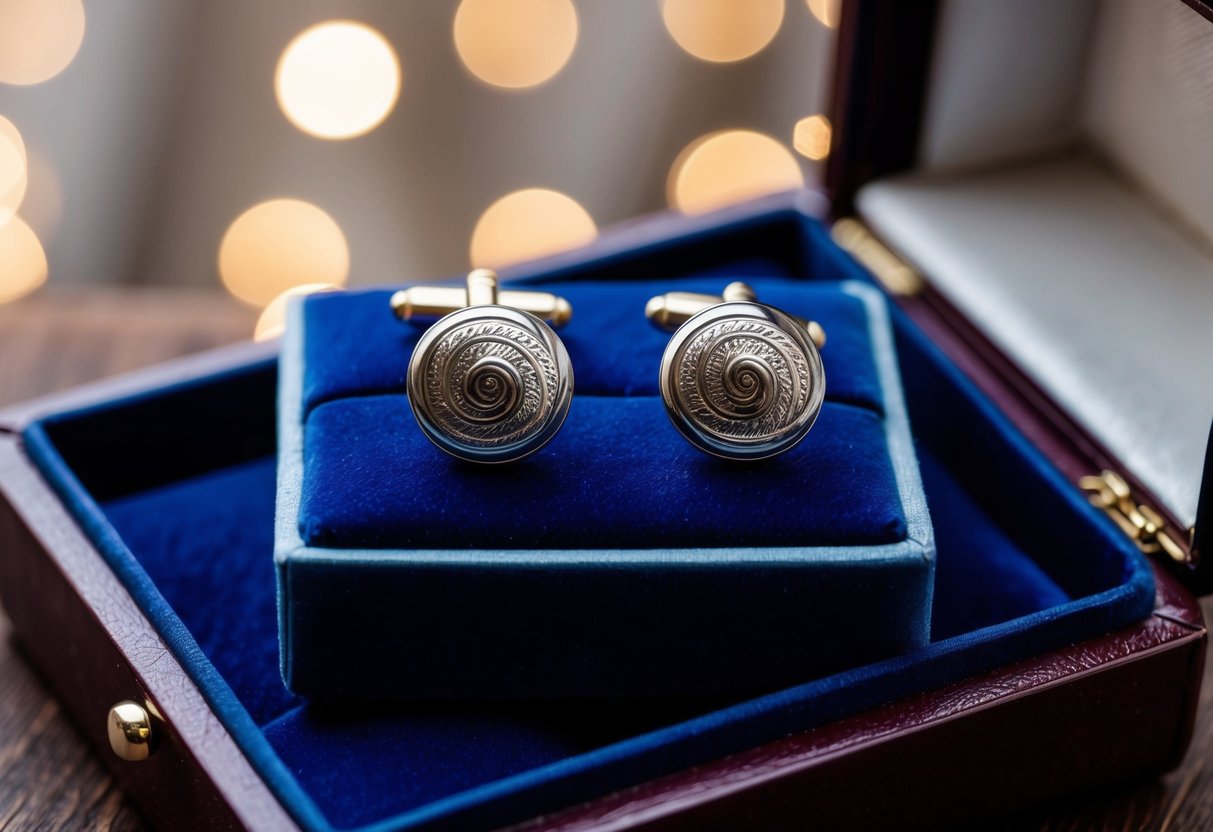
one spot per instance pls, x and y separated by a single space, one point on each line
129 727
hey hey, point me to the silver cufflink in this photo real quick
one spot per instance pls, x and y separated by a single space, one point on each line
489 381
740 380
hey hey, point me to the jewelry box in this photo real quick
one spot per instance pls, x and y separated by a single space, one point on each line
1065 654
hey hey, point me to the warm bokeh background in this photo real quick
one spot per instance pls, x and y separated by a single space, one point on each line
262 146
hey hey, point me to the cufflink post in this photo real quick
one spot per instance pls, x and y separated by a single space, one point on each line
426 304
673 309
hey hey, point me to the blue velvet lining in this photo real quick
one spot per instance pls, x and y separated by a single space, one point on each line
212 567
204 543
372 480
996 582
192 544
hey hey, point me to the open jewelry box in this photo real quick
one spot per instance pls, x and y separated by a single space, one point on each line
136 532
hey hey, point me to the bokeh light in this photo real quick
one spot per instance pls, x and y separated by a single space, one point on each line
827 12
23 259
730 166
278 245
338 80
722 30
14 169
42 207
530 223
272 321
515 43
38 38
811 137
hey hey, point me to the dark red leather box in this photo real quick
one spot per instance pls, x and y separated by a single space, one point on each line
1068 510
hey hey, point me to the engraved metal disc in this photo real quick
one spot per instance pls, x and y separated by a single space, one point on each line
742 380
490 384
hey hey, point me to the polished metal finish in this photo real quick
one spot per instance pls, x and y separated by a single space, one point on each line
487 382
673 309
426 304
129 727
1142 523
740 380
894 273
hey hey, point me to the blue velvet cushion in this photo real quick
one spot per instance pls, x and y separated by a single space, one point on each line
619 561
617 474
177 491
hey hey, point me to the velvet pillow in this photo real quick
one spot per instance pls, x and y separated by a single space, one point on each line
618 474
618 560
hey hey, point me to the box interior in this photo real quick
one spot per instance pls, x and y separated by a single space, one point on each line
176 487
1063 202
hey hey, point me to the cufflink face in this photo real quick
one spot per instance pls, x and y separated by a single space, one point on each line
742 380
490 383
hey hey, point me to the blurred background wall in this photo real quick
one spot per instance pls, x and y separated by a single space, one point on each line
172 119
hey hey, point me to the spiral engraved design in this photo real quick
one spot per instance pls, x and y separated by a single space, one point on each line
742 380
490 389
489 383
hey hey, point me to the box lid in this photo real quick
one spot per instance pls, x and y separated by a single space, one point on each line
1081 275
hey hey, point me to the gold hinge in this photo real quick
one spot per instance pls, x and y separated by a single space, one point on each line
898 276
1145 526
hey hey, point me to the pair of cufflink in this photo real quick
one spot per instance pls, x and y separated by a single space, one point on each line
490 381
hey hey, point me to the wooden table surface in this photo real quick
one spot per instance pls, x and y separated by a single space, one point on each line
49 779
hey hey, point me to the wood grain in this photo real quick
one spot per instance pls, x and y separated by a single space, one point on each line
49 778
